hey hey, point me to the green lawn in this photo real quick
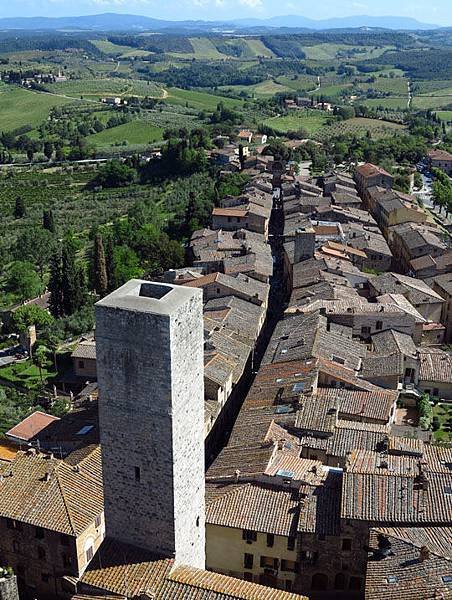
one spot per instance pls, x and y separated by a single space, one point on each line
95 89
108 47
199 100
26 374
324 51
331 51
444 414
396 86
135 52
444 115
20 107
359 126
135 132
331 91
311 121
392 103
258 48
261 90
426 102
203 49
442 92
301 83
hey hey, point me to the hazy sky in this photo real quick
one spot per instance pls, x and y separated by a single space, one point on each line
434 11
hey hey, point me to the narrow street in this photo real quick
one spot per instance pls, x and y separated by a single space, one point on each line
219 436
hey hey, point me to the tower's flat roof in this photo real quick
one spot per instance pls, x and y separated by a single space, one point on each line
138 295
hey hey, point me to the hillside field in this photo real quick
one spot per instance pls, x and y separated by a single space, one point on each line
135 132
19 107
310 121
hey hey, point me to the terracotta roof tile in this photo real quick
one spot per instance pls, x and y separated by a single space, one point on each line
31 426
404 573
370 170
188 582
49 493
256 507
125 570
436 366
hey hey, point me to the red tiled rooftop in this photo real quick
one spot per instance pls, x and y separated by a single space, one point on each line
439 154
31 426
229 212
200 281
370 170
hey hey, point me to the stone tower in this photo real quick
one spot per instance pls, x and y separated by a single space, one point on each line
149 343
304 244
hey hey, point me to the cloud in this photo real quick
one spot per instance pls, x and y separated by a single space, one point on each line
251 3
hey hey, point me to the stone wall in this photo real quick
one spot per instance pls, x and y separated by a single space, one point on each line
8 588
151 412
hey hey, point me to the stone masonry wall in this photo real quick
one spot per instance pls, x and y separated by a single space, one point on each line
8 588
150 374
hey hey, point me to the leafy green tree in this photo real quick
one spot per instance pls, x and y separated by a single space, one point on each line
41 360
278 149
30 314
19 208
59 153
126 265
115 174
23 280
52 340
418 182
225 115
37 246
60 407
48 149
425 411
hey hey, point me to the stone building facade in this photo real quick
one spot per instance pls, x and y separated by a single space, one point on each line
151 411
8 588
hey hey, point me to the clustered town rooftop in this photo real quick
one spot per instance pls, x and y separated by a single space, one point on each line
324 308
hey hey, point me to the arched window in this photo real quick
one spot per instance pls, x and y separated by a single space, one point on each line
319 581
339 582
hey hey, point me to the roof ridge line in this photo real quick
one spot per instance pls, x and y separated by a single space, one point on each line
64 499
230 492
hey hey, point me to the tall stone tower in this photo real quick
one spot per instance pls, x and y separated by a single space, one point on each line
149 343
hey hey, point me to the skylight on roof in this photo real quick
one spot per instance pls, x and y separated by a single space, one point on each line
85 429
447 579
298 387
392 579
283 410
285 473
448 490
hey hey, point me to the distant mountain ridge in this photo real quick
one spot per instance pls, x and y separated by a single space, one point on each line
361 21
124 22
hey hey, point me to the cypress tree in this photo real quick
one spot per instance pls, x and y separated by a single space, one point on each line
69 278
19 208
100 267
110 263
48 220
82 294
56 286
